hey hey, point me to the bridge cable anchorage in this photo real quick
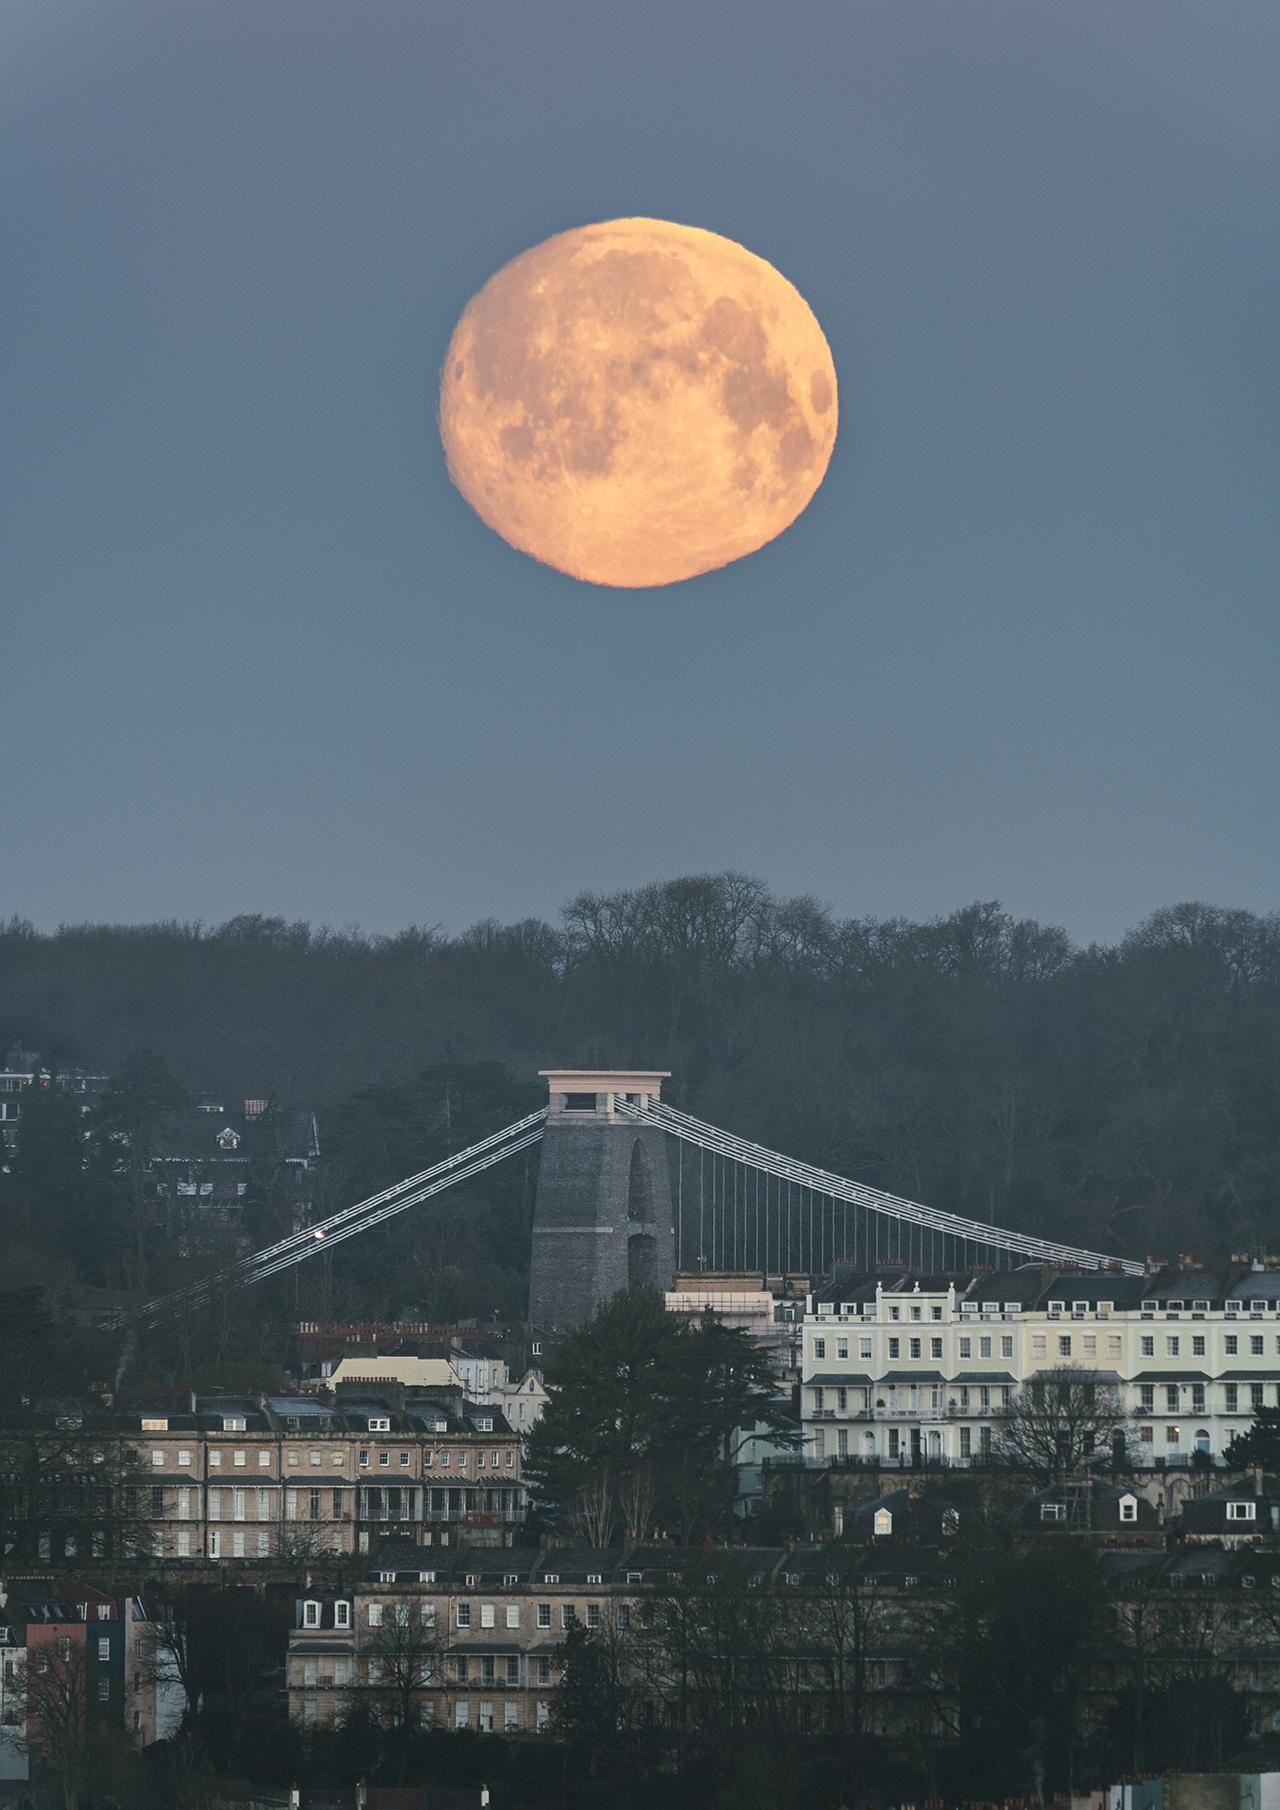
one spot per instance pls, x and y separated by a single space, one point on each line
316 1239
711 1139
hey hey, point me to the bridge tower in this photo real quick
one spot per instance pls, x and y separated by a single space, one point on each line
602 1220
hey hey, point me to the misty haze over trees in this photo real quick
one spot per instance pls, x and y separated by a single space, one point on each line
1125 1098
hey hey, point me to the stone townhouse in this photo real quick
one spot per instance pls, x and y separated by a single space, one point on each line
906 1369
294 1478
476 1640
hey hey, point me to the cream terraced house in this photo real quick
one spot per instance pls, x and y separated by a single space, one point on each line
905 1369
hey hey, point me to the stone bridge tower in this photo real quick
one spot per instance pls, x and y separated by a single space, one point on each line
602 1220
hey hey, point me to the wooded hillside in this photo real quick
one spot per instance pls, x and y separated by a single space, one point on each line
1126 1097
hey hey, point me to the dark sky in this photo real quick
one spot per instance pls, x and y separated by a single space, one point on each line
259 656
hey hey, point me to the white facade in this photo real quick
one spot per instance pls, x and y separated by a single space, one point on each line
917 1373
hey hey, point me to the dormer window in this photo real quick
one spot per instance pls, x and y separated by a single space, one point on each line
1056 1307
484 1426
155 1425
597 1577
1106 1307
1128 1508
1175 1307
1200 1307
233 1423
1241 1511
379 1424
311 1615
228 1139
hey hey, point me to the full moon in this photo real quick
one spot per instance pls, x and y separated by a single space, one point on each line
637 402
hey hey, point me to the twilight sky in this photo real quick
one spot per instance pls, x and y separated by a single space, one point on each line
259 656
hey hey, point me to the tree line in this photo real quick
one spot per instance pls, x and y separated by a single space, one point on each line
1123 1096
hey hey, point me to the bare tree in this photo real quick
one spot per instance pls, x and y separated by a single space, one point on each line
592 1513
52 1686
638 1501
1060 1423
404 1659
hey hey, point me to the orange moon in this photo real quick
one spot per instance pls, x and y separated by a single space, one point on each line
637 402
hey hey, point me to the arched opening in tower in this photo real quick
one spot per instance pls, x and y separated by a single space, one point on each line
642 1261
640 1186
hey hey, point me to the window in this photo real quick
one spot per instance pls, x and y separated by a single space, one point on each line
379 1424
842 1348
914 1348
1233 1398
579 1102
384 1458
864 1348
1148 1345
544 1615
935 1348
568 1615
374 1616
104 1690
464 1615
1256 1345
184 1459
819 1348
487 1615
342 1615
1128 1508
1064 1345
966 1347
311 1615
1053 1511
1171 1398
215 1458
895 1348
104 1650
1006 1345
1231 1345
1197 1345
404 1458
1241 1511
157 1457
593 1615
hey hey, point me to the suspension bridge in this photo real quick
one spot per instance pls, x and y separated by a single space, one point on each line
630 1189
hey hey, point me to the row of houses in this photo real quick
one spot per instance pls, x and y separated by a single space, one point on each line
73 1659
478 1640
904 1369
270 1477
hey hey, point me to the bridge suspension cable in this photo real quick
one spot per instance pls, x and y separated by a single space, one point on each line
729 1217
314 1240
